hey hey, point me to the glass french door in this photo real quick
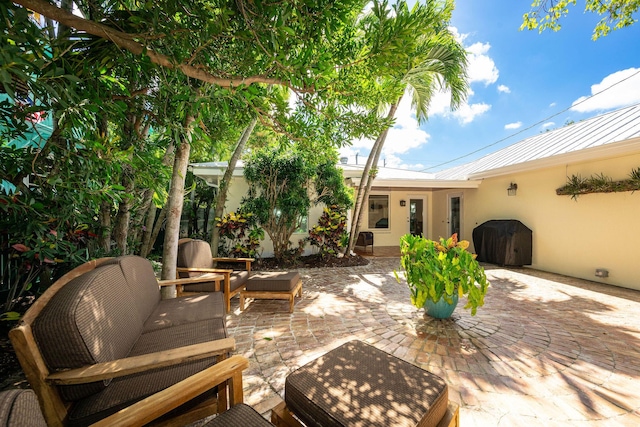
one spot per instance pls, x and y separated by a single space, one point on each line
455 214
416 217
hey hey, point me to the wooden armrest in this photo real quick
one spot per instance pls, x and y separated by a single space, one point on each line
145 362
223 259
191 280
247 261
158 404
203 270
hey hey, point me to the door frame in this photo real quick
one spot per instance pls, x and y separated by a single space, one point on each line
451 196
425 224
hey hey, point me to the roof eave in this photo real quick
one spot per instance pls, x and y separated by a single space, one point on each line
596 153
424 183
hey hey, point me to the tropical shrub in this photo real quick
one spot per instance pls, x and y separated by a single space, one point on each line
328 234
239 235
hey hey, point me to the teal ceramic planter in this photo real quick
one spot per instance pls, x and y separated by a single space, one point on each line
441 309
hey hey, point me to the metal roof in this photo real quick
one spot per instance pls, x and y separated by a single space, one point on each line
537 151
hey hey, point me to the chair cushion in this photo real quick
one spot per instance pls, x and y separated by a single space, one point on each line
236 280
273 281
194 254
358 385
142 281
178 311
125 391
20 408
91 319
240 415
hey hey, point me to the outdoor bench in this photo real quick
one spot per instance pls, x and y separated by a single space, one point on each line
101 346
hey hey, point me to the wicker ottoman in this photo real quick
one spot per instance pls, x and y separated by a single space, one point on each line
358 385
273 285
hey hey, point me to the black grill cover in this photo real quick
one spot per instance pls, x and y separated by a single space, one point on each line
503 242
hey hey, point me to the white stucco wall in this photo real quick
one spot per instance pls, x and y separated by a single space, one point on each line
239 188
398 216
571 237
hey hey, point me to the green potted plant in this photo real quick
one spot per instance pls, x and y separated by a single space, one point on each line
439 272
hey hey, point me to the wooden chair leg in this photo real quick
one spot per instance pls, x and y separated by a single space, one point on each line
281 417
451 417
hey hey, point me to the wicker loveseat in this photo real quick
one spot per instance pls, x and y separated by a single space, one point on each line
100 346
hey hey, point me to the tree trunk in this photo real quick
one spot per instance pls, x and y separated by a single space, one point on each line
221 197
151 231
136 232
367 180
104 239
174 208
123 217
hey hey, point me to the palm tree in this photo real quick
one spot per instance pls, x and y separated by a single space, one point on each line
427 59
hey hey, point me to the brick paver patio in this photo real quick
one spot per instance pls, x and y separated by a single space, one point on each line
545 350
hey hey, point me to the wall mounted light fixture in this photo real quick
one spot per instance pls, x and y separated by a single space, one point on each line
513 187
403 203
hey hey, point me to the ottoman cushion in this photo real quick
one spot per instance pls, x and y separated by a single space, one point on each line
358 385
276 281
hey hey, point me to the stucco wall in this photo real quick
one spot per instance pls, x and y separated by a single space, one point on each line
239 188
398 216
600 230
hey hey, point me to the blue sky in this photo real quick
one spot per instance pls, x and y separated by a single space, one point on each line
520 81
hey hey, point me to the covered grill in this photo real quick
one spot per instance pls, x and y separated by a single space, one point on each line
503 242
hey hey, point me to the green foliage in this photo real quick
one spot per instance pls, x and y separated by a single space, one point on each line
441 269
239 235
41 239
577 185
278 196
329 234
284 181
199 200
546 14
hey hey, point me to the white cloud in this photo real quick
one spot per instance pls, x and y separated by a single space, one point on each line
465 114
405 135
393 161
514 125
468 112
553 104
481 67
606 96
548 124
504 89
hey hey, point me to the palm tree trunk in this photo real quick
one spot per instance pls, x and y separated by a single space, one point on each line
221 197
368 175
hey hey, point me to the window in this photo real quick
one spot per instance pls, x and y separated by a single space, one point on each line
378 211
